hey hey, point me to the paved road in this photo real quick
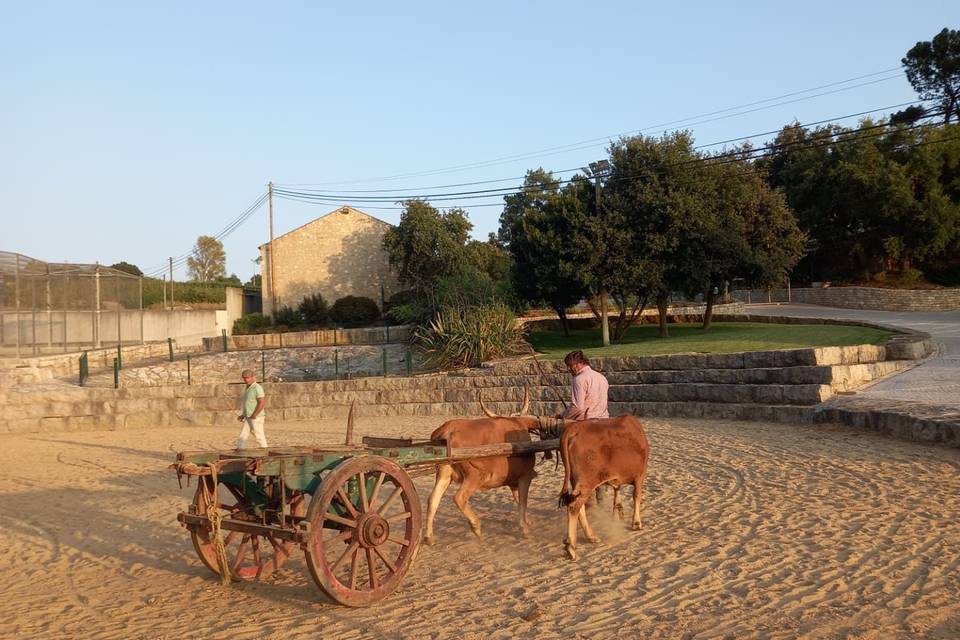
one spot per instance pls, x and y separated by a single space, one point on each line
936 381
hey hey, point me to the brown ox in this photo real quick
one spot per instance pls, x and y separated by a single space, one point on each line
515 472
606 451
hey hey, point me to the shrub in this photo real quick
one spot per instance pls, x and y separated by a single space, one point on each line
314 310
253 323
287 317
354 311
465 337
406 307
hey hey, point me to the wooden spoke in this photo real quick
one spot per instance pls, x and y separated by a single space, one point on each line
405 543
390 499
346 502
353 568
376 490
364 505
386 561
256 554
343 535
398 516
336 565
372 566
241 553
339 520
230 538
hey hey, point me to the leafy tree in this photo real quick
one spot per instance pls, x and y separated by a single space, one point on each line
427 244
126 267
489 258
229 281
255 282
208 261
933 68
870 203
657 200
539 225
314 310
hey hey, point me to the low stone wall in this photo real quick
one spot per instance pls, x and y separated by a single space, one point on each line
859 298
317 337
903 420
675 314
274 365
14 371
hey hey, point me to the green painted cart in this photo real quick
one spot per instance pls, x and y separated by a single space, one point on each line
353 509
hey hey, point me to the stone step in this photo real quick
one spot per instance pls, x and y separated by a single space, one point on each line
441 410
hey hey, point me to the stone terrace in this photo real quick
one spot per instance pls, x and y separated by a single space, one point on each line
781 385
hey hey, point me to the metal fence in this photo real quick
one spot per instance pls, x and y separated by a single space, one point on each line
48 307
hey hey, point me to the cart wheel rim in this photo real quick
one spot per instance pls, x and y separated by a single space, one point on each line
365 530
249 556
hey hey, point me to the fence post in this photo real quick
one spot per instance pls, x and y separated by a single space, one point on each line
170 348
84 368
388 333
409 359
119 358
336 363
223 332
188 370
334 335
116 374
263 367
384 362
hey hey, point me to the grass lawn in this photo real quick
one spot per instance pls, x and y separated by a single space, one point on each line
722 337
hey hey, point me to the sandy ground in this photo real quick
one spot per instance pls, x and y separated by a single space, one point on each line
750 530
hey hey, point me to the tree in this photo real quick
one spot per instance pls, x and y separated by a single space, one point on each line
540 225
933 68
208 261
427 244
255 282
126 267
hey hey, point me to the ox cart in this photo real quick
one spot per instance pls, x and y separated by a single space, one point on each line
352 509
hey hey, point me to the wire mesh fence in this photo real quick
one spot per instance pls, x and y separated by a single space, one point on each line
48 307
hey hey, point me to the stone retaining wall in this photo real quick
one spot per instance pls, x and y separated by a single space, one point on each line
274 365
859 298
317 337
15 371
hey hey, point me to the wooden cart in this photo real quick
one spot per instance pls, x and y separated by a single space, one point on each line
353 509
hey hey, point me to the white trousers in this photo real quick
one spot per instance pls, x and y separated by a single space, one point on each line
255 425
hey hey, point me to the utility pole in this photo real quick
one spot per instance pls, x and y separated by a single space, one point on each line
272 263
171 284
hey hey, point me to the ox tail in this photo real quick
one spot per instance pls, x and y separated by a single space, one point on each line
566 494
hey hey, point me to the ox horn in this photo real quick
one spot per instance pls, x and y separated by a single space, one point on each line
486 411
526 401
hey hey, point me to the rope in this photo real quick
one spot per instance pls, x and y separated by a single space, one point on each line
215 517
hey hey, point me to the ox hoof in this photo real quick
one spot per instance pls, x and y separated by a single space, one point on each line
592 539
476 530
571 551
618 512
637 526
429 540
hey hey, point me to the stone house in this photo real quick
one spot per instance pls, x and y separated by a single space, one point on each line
338 254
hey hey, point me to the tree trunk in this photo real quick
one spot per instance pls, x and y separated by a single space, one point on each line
662 308
562 314
708 312
604 320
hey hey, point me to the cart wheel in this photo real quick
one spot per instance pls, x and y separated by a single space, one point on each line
250 556
365 524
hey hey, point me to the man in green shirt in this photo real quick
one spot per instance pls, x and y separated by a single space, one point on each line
253 414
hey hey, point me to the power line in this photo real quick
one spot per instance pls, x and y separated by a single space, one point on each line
503 191
594 141
562 171
224 233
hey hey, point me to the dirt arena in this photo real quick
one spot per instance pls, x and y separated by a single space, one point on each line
750 530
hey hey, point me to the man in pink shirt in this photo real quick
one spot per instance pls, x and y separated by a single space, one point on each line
588 390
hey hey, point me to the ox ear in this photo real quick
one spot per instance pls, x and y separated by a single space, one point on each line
486 411
526 401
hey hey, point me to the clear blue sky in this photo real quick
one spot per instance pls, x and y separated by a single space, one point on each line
128 129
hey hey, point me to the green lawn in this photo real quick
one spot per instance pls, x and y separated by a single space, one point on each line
725 337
